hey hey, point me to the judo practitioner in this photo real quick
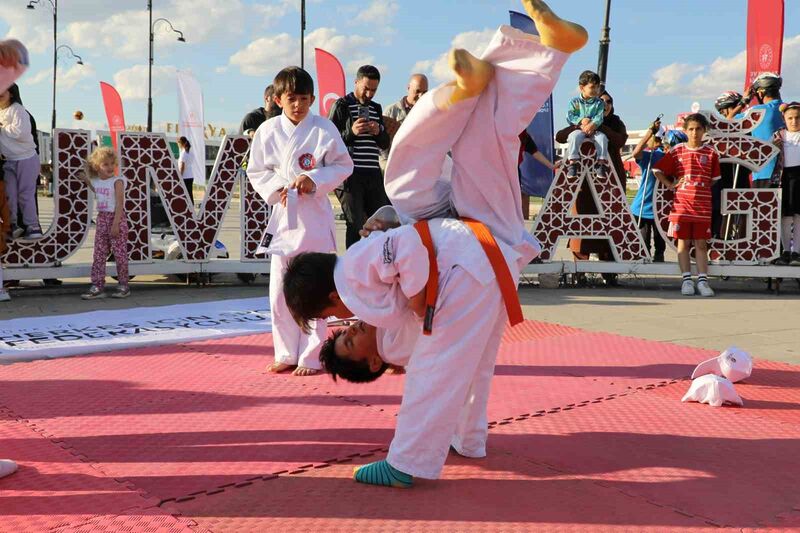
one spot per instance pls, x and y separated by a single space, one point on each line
446 270
296 159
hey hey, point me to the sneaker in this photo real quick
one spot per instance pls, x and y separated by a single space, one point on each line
794 259
602 171
704 289
783 260
33 234
687 288
4 296
572 169
16 232
93 293
121 292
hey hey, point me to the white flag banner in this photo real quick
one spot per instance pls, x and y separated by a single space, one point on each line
24 339
191 123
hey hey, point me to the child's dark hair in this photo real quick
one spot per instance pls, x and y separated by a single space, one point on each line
307 285
369 72
587 77
14 92
347 369
696 117
293 80
184 142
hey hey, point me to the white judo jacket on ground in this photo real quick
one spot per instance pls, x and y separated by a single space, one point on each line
280 153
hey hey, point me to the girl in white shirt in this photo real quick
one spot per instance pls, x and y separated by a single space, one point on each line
112 224
22 163
185 166
788 140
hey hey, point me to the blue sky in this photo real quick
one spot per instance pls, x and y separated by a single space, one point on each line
664 55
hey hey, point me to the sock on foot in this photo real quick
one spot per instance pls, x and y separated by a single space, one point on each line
553 31
383 474
702 277
687 275
472 74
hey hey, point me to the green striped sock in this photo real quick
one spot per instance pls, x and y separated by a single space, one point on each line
383 474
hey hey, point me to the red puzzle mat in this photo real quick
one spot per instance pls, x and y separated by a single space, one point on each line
587 433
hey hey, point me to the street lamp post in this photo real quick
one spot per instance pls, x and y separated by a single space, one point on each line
605 41
54 6
150 63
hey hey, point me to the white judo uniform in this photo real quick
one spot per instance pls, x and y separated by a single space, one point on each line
449 372
280 153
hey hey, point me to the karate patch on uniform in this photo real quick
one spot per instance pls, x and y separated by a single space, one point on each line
307 161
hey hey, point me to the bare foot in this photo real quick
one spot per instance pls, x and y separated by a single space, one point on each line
395 369
553 31
472 74
303 371
278 368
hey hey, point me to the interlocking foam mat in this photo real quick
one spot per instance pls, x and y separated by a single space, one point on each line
587 432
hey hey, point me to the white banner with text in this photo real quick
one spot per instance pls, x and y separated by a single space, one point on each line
23 339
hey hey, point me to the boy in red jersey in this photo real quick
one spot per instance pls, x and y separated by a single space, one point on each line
695 167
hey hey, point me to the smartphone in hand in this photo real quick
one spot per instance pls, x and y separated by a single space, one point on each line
363 112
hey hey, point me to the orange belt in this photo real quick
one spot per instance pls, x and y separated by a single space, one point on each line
501 272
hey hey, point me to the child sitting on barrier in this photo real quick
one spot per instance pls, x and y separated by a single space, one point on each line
112 225
586 112
696 167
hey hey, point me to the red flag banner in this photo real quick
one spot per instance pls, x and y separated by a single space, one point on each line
330 77
114 113
764 38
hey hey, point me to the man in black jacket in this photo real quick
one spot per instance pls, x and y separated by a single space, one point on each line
360 121
259 115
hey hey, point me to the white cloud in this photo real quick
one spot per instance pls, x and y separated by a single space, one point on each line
266 56
670 79
473 41
379 12
274 11
121 33
722 74
131 83
32 27
66 79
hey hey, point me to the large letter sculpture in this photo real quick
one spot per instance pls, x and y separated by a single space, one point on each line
255 215
148 156
613 222
761 206
71 219
144 156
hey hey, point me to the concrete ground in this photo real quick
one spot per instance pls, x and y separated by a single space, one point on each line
743 313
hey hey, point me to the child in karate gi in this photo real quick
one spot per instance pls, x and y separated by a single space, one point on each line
296 159
478 117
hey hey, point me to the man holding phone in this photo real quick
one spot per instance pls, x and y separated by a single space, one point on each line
360 122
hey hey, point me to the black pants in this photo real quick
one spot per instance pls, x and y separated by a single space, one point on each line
360 196
188 183
650 233
719 224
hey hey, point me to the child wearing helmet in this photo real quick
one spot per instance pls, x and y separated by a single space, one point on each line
767 89
734 176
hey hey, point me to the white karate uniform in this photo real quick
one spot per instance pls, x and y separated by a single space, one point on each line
449 372
280 153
